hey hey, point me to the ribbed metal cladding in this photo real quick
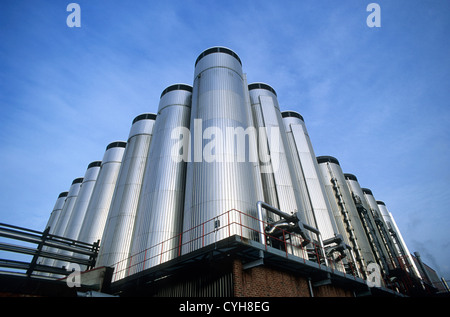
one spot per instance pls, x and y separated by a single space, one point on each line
75 222
98 208
117 236
56 212
378 248
397 236
159 217
307 170
199 286
382 227
283 192
52 221
278 175
84 196
344 211
220 179
116 239
66 212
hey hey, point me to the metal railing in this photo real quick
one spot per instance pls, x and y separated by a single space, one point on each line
41 246
236 222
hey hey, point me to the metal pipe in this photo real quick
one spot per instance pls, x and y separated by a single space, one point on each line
299 225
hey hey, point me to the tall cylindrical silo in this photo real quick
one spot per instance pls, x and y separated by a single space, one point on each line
51 224
278 176
117 236
98 208
65 214
220 178
408 261
84 196
344 211
79 209
382 227
308 169
159 218
308 174
279 182
368 222
54 216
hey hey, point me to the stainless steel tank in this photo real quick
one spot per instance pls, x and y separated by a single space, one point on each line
280 186
219 176
382 228
345 213
319 211
307 169
82 202
406 259
54 216
159 217
99 204
366 216
117 236
65 214
279 181
51 223
75 221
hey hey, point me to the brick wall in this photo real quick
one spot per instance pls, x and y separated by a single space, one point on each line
263 281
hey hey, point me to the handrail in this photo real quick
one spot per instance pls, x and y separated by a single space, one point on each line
235 222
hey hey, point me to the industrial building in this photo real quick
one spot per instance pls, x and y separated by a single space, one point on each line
218 194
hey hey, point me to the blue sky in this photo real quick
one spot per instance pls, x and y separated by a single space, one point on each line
377 99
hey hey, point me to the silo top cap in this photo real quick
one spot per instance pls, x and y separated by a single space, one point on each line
350 176
63 194
324 159
94 164
367 191
218 50
77 180
116 144
145 116
176 87
294 114
261 86
379 202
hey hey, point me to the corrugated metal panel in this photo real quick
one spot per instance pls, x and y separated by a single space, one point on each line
368 222
66 212
54 216
80 207
161 203
303 152
98 209
344 211
82 202
205 285
402 247
117 236
382 228
52 221
279 180
214 187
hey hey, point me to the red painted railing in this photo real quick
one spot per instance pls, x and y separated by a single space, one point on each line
237 222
